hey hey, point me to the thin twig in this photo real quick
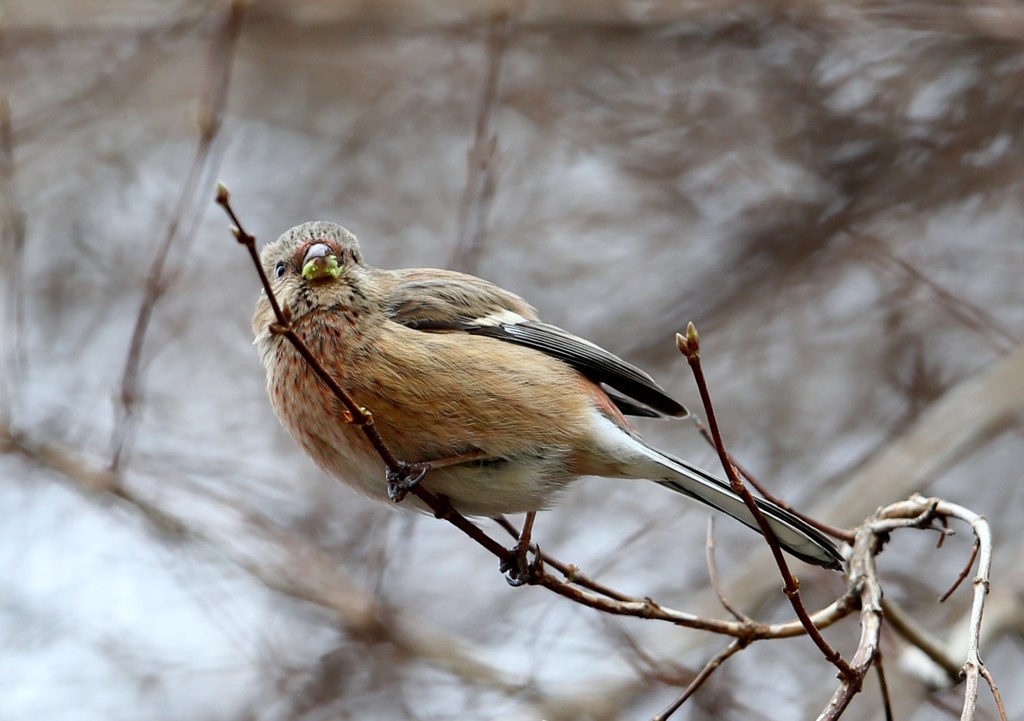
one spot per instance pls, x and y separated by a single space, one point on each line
975 317
649 609
709 550
211 111
481 182
883 686
1000 708
705 673
863 577
690 348
964 572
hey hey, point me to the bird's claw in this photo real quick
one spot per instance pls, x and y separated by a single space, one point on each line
403 479
518 569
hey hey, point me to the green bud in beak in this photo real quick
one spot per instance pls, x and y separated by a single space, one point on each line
320 263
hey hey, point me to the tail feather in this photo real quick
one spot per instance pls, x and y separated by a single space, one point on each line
795 535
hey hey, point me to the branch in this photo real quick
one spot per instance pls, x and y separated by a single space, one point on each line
917 512
705 673
480 177
301 571
690 348
211 110
12 253
709 549
974 667
921 639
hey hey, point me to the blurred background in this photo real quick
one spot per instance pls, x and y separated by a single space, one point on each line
832 191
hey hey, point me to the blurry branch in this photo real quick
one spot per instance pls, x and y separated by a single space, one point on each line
147 49
282 562
12 251
709 548
716 661
973 317
922 641
965 417
643 663
481 182
1000 19
211 108
994 19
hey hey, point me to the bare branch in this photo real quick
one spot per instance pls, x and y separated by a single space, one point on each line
689 346
705 673
293 568
917 512
12 252
864 579
481 182
709 547
977 319
963 573
211 110
973 665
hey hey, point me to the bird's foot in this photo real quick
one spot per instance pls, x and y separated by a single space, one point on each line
518 568
403 479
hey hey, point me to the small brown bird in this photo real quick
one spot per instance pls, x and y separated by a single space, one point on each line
455 368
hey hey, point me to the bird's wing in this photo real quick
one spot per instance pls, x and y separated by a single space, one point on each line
437 300
429 300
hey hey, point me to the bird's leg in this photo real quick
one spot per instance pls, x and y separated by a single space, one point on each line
517 571
407 476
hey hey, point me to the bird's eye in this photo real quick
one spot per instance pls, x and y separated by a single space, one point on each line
279 268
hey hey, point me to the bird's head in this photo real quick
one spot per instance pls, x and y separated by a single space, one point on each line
313 266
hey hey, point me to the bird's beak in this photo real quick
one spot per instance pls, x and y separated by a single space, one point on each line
320 263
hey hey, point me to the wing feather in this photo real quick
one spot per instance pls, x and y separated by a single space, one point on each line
446 301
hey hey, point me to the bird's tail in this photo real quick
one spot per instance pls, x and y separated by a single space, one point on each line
795 535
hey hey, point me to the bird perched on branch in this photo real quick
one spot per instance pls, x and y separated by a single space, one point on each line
506 409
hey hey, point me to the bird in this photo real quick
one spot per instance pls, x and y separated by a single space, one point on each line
456 371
